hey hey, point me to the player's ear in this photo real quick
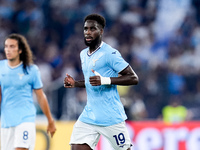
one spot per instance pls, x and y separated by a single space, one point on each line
20 51
101 31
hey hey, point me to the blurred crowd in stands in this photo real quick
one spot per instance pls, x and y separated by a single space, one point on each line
159 38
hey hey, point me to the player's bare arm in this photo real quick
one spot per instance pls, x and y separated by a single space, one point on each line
126 77
42 100
69 82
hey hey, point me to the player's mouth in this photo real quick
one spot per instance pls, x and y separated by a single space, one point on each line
88 39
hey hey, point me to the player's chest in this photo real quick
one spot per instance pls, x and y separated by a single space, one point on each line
93 62
15 79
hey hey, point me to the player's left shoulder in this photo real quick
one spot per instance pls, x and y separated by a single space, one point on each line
33 67
112 51
109 48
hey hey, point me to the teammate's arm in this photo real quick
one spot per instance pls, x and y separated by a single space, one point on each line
126 77
69 82
42 100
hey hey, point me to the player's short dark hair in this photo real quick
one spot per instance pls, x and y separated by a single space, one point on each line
100 19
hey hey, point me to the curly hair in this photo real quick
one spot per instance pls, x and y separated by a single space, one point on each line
100 19
26 56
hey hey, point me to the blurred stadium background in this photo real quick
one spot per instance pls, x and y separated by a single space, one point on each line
159 38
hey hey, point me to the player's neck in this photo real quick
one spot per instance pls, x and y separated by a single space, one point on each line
94 47
97 47
14 62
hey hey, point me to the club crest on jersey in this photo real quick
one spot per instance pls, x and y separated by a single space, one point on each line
94 61
20 76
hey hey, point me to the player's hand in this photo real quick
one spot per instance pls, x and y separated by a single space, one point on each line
69 82
95 80
51 129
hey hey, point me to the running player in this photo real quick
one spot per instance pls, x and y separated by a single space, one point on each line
103 68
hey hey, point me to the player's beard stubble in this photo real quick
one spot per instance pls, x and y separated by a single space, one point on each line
93 43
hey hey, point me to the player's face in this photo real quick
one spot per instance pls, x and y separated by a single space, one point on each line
11 49
92 33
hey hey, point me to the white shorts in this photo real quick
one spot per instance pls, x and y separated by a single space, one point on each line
117 135
22 136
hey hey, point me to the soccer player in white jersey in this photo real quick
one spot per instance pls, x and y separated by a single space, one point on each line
103 68
19 77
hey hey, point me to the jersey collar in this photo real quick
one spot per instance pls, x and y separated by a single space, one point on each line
89 54
12 67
